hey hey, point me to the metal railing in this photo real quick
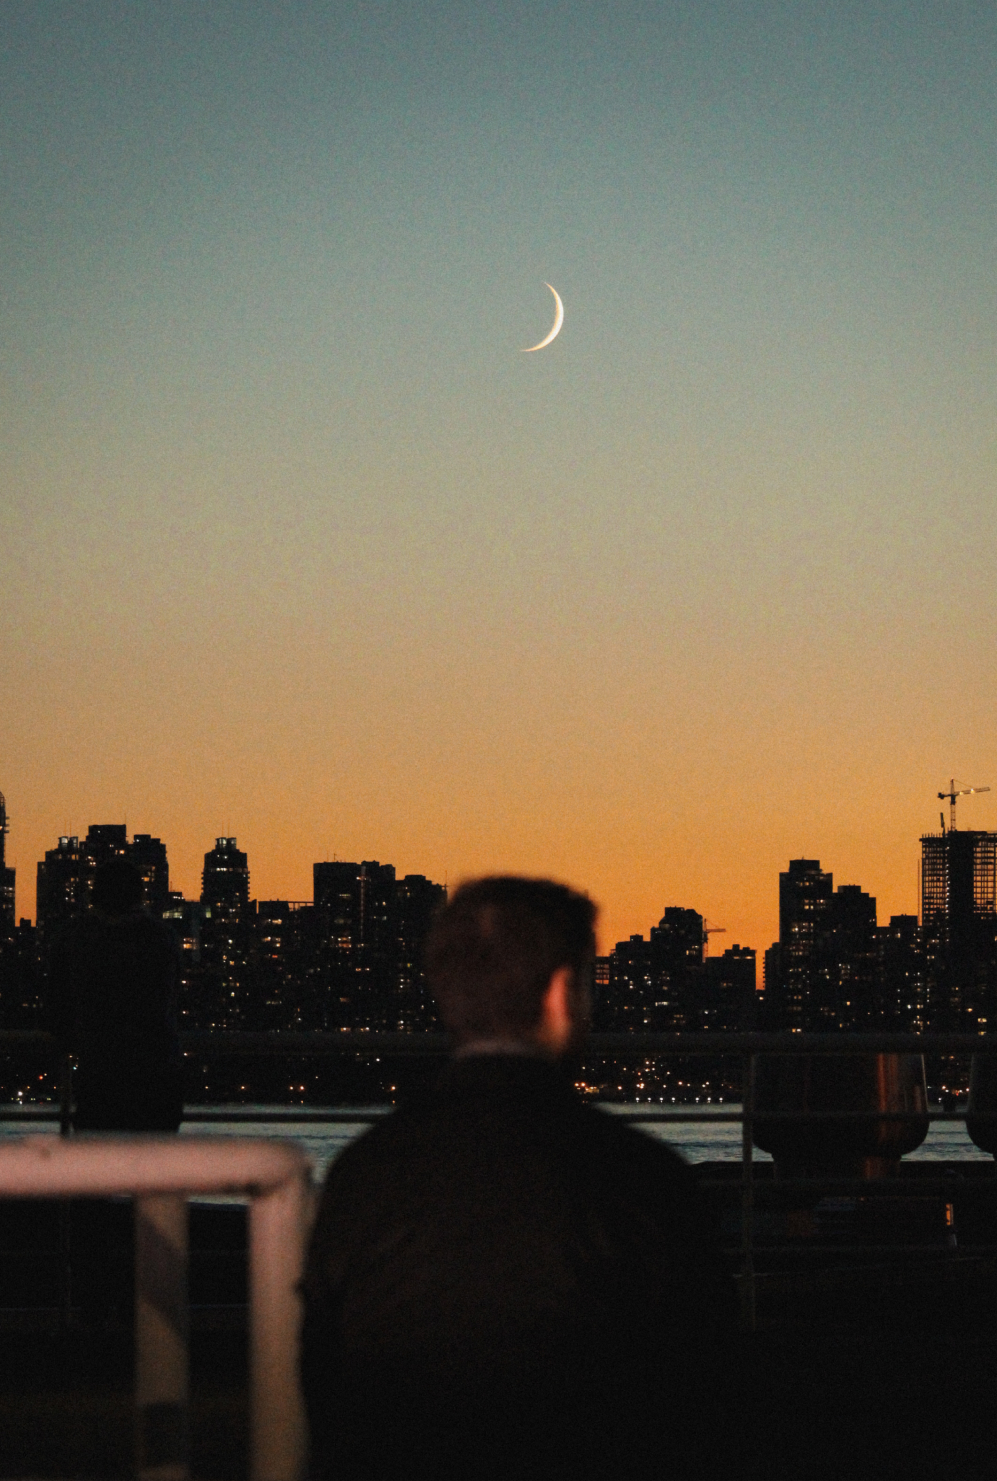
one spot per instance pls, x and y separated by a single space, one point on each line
746 1047
160 1174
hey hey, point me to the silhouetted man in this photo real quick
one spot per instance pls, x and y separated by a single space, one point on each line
113 980
504 1281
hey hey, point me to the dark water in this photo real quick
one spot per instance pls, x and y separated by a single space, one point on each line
708 1139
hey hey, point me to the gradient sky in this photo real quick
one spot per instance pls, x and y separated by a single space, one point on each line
296 545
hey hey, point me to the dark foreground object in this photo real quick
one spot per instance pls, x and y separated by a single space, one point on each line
66 1380
506 1282
890 1380
887 1368
66 1405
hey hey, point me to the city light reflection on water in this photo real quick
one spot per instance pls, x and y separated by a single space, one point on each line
698 1141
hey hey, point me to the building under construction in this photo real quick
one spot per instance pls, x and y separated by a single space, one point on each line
959 923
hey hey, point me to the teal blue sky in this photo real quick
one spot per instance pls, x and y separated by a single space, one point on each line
296 544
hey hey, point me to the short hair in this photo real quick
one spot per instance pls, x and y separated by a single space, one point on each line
117 887
491 952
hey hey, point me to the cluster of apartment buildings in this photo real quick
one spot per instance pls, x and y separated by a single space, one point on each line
348 958
834 967
351 956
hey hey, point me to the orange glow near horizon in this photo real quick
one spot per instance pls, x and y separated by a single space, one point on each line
297 546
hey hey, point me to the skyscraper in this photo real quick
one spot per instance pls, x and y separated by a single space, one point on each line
959 925
824 973
848 995
902 983
149 857
62 886
370 928
677 944
284 970
629 1001
654 984
6 881
795 977
105 841
357 909
728 998
65 876
222 975
418 901
20 999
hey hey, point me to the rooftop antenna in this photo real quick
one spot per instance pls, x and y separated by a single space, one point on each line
952 794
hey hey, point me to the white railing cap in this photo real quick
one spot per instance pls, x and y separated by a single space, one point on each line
104 1165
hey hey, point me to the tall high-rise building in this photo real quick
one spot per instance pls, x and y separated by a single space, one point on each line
824 973
848 995
66 874
7 881
804 900
62 886
225 879
222 979
149 857
105 841
20 1001
283 967
959 926
357 909
418 901
728 997
902 980
796 974
371 927
628 1002
655 984
677 944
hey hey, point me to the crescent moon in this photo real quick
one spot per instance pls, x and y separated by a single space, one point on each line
558 321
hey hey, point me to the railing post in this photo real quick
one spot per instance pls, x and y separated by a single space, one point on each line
161 1328
276 1250
748 1307
65 1208
65 1094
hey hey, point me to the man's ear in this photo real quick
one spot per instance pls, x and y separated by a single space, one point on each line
556 1030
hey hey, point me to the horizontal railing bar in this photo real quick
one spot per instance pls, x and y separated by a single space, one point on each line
701 1117
105 1167
619 1045
816 1248
50 1111
808 1115
277 1115
871 1042
624 1112
832 1187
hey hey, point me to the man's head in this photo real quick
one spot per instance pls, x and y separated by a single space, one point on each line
507 952
117 887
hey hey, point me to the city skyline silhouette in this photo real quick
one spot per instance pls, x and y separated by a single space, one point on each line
297 545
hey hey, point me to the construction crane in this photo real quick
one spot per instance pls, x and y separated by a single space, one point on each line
709 931
952 794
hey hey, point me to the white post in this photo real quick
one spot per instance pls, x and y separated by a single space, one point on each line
277 1222
162 1172
161 1327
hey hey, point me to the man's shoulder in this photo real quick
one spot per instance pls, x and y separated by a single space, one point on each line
619 1132
630 1162
602 1139
382 1140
